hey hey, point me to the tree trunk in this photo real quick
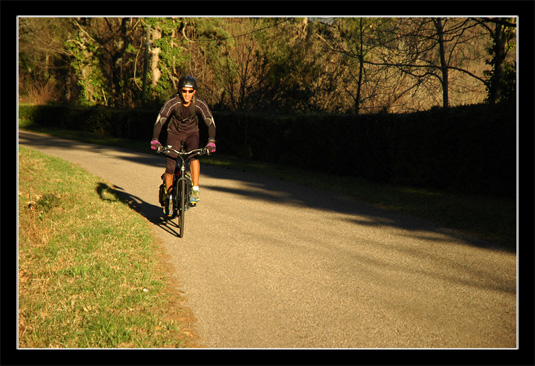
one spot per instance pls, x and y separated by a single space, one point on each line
499 59
361 69
443 65
156 72
146 64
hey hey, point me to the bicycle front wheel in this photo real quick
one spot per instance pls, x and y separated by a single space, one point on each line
182 206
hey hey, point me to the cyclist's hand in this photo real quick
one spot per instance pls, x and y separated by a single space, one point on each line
155 144
210 147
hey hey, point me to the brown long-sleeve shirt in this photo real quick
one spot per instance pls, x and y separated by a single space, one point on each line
184 120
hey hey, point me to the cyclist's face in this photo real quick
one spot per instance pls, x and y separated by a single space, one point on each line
187 94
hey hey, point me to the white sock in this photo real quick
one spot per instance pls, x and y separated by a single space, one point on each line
195 188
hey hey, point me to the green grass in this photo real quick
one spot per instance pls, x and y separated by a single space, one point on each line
90 273
487 218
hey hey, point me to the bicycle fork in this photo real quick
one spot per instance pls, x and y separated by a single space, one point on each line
184 177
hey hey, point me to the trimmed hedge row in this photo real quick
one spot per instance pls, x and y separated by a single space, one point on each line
467 149
131 124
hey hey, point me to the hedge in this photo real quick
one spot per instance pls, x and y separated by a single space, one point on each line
131 124
466 149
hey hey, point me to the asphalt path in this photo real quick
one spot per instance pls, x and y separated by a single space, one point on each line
265 263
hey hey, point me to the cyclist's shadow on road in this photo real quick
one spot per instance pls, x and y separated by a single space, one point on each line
150 212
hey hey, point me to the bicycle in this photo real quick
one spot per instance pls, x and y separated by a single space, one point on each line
182 185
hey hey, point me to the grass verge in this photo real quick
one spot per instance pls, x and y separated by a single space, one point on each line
488 218
90 273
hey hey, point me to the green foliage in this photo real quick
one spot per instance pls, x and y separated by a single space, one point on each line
87 64
508 82
501 78
172 57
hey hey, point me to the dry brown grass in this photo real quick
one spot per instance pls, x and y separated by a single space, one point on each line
40 92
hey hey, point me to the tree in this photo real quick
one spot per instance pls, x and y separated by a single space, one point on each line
352 37
348 65
169 58
429 49
230 56
502 77
443 65
43 63
290 65
103 56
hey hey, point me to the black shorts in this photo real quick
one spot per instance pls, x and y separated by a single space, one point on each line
191 143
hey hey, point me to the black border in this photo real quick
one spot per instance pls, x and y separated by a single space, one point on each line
525 355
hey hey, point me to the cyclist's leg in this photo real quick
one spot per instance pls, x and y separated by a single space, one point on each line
174 141
195 168
169 172
168 179
168 183
192 142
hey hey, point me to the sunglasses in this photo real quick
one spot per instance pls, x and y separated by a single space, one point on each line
187 91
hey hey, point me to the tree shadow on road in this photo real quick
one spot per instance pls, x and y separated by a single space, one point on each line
287 193
269 189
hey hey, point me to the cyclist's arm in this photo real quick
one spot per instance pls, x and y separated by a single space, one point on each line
204 111
164 114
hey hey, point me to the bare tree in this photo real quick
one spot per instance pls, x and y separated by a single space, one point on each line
428 49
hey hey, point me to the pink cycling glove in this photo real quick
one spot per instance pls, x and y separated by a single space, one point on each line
154 144
210 147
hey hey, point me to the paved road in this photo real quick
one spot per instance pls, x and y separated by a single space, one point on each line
269 264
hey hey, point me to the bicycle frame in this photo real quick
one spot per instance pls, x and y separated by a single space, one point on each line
181 182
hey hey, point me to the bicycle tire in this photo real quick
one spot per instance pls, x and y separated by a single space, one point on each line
182 207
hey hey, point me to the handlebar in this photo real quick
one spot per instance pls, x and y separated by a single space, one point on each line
168 149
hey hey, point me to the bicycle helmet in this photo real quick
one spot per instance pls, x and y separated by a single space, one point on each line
187 82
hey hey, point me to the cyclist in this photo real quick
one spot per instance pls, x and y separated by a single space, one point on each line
183 111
